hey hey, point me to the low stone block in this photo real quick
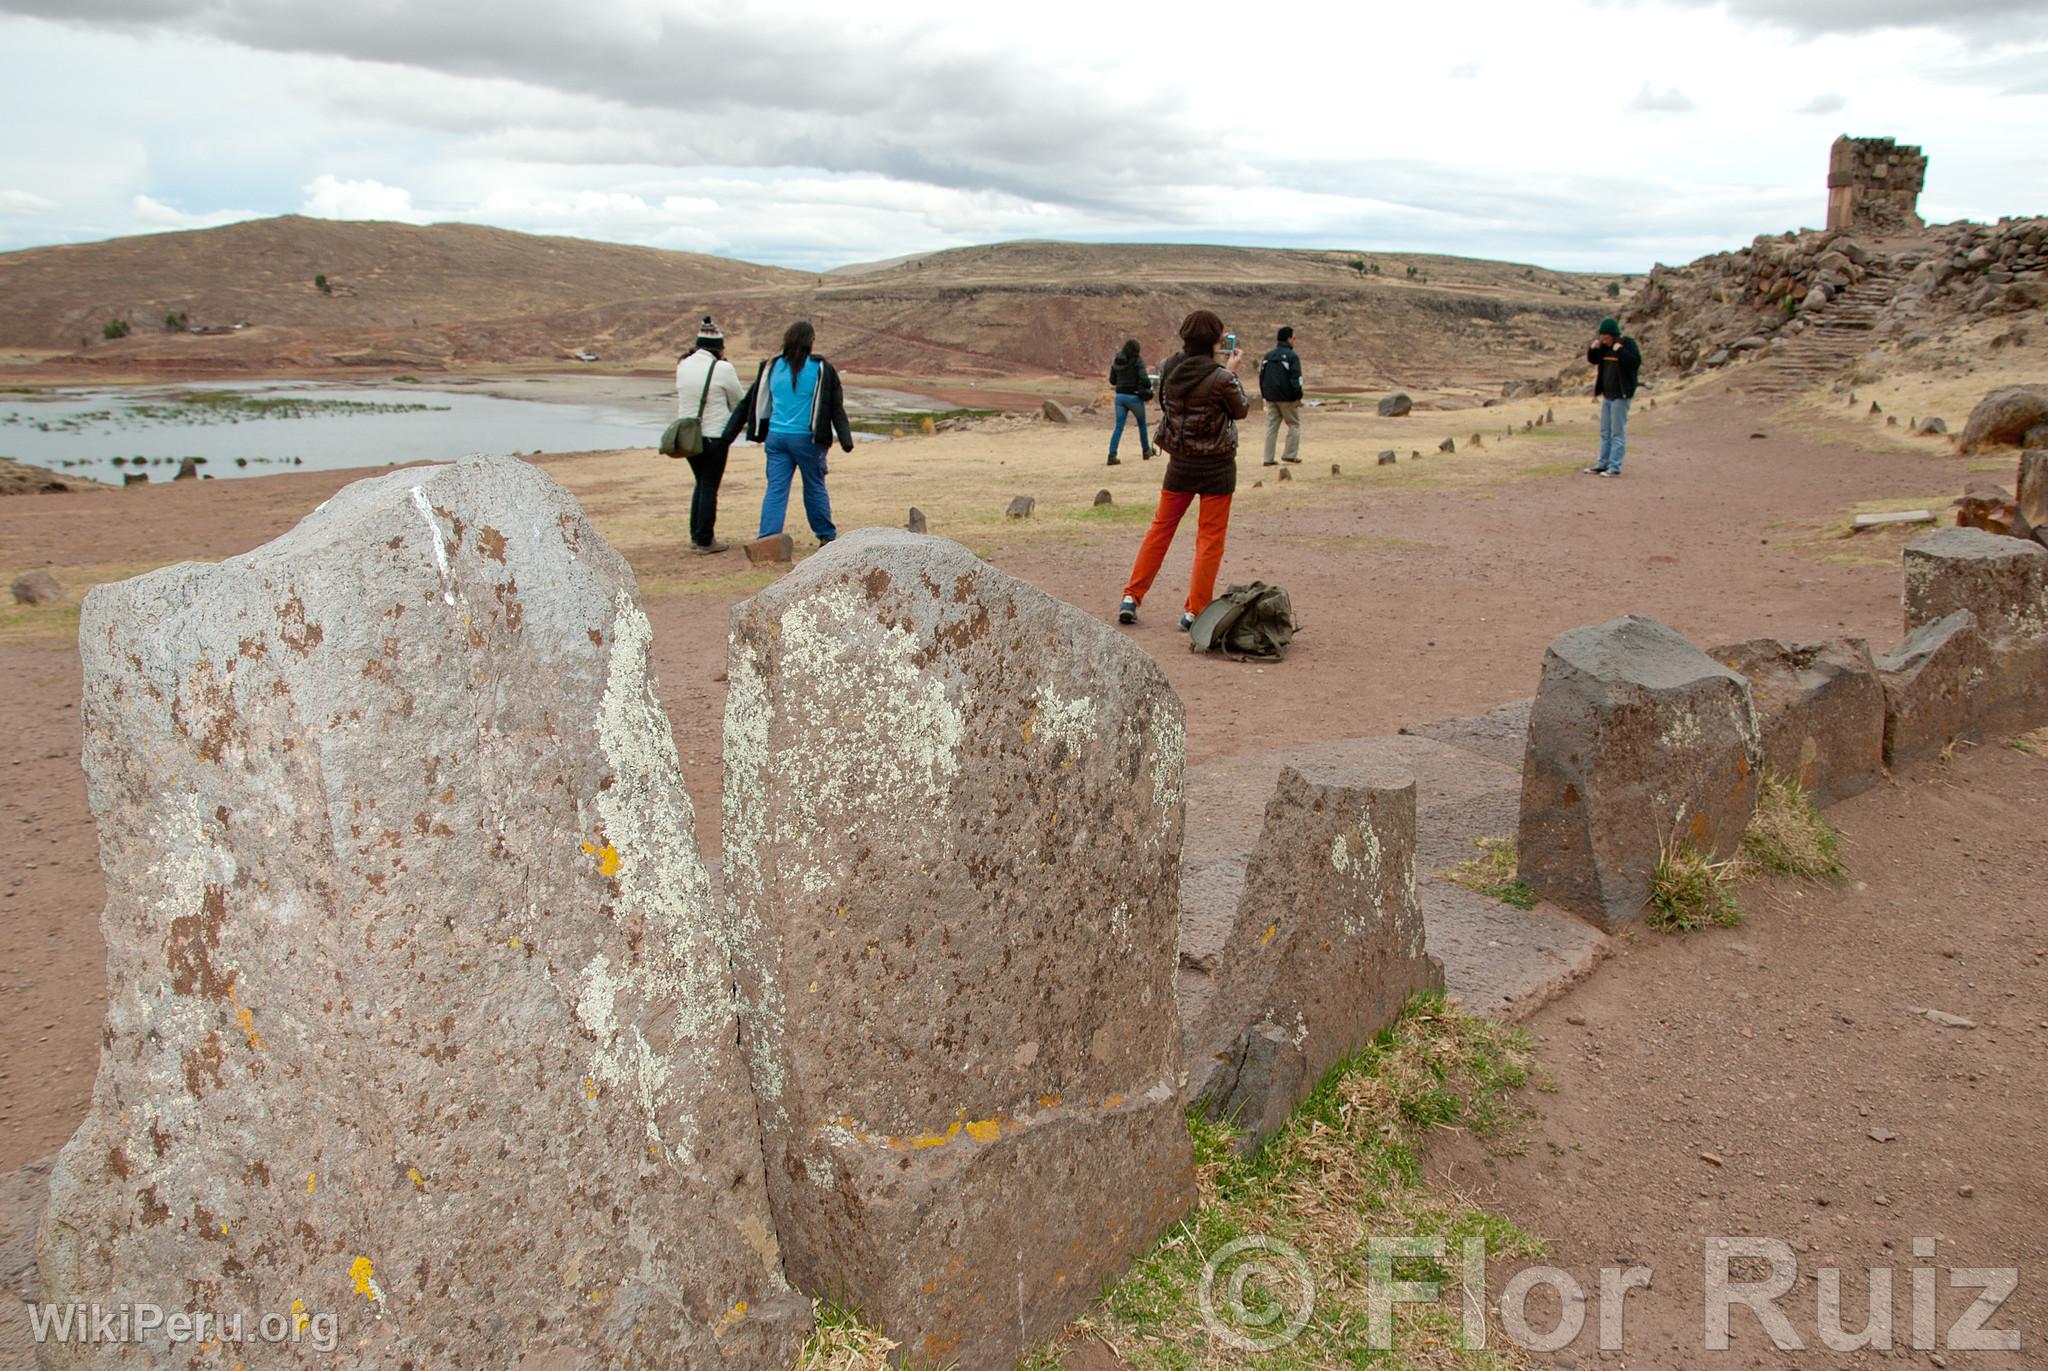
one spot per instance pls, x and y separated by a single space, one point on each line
776 547
418 1017
916 522
1056 412
1315 933
1103 497
1021 507
952 843
1820 707
1637 739
1395 405
2003 581
1932 688
1387 458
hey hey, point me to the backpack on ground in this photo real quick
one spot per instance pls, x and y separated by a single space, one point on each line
685 437
1246 621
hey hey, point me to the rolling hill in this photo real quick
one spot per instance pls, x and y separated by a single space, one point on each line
450 297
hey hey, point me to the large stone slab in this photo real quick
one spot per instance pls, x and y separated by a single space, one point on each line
1821 709
1637 739
1315 933
1934 685
418 1020
2003 584
952 829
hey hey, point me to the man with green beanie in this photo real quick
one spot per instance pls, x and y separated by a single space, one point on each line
1616 362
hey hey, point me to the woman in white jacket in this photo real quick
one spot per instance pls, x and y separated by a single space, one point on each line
706 382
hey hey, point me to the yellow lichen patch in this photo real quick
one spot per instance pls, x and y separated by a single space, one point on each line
299 1316
1267 936
1050 1101
1111 1101
607 859
933 1139
417 1178
590 1087
512 943
985 1130
364 1274
1030 723
729 1318
247 1019
312 1181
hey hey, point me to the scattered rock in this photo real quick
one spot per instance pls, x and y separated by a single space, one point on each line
1637 739
916 523
1883 1135
776 547
1284 474
1930 425
2005 417
1820 710
1021 507
1477 441
1396 405
36 588
1103 497
1447 445
188 470
358 1005
1759 435
1713 1159
1387 458
1056 412
1875 408
1991 508
1718 357
1336 470
1941 1019
953 808
1549 416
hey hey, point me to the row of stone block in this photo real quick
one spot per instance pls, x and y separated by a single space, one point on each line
1639 741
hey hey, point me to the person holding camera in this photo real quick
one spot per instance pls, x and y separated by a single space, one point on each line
1617 362
1133 387
1201 400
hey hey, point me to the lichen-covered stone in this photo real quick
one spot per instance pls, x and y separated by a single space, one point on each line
1933 688
952 841
1637 740
1821 710
1315 932
2003 584
418 1018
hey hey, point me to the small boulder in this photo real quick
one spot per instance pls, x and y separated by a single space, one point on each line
1930 425
916 522
1396 405
1336 470
1387 458
1103 497
2005 417
776 547
188 469
1056 412
36 588
1021 507
1637 739
1447 445
1820 708
1992 508
2003 581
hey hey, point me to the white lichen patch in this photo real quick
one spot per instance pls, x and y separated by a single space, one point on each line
1069 724
744 803
1357 853
1683 733
1169 757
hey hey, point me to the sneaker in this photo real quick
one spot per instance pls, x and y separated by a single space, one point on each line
1113 460
710 547
1593 471
1606 473
1187 621
1127 611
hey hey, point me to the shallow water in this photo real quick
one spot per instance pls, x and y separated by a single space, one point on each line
84 430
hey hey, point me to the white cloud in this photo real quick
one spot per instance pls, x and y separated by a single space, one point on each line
1825 103
149 214
330 197
1669 100
22 202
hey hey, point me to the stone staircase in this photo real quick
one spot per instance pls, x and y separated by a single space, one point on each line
1835 337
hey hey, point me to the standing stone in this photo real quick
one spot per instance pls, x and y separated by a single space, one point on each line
2033 489
1637 739
418 1017
1447 445
35 588
1056 412
1284 474
1387 458
1821 710
776 547
188 470
1103 497
1396 405
1931 685
953 833
2003 583
916 523
1315 933
1021 507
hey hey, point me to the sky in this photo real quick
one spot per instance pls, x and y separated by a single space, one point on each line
1599 135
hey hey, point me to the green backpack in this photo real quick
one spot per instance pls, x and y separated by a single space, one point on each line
1246 622
685 437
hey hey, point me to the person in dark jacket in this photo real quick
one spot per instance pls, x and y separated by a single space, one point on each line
1617 361
1280 387
1133 387
794 409
1200 400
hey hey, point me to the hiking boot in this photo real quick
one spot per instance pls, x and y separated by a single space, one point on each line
1127 611
1292 461
710 547
1148 454
1187 620
1113 460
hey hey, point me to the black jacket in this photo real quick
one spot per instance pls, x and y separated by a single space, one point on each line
1617 369
1280 374
828 407
1128 377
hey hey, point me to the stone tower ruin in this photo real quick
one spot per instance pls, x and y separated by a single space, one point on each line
1873 184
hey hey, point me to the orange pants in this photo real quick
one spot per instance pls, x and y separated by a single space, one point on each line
1214 522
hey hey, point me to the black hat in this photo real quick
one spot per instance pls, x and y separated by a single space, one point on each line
1286 335
708 334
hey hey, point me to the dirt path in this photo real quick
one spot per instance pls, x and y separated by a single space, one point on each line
1418 603
1772 1081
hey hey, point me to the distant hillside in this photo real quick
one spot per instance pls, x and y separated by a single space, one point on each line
454 296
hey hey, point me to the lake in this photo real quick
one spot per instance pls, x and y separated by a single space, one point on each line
255 428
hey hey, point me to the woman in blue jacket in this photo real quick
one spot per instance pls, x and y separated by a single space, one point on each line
794 410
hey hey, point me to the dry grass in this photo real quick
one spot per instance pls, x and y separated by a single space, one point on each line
839 1341
1787 835
1689 890
1494 873
1346 1169
2034 744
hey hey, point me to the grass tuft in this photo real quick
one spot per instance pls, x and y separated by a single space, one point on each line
2034 744
1689 890
839 1341
1494 873
1788 837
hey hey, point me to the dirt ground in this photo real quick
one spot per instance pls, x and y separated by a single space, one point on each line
1425 589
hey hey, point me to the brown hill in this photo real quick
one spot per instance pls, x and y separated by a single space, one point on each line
451 297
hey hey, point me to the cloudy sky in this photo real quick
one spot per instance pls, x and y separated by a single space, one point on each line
1597 134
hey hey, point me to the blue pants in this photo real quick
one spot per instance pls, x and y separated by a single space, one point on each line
1613 433
796 453
1126 406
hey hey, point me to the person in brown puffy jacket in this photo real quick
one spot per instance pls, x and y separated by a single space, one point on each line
1201 400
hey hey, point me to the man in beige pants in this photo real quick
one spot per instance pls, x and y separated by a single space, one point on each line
1280 385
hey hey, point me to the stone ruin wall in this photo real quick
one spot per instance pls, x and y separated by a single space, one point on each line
1874 185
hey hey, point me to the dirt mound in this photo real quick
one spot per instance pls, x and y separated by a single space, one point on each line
19 478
